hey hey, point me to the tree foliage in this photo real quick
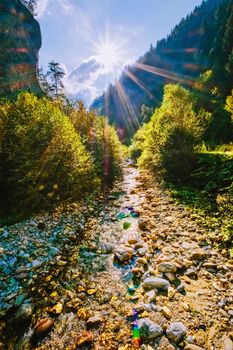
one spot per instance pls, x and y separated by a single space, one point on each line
167 141
55 74
43 157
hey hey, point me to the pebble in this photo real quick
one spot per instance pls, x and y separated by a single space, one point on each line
43 326
149 329
85 338
227 344
24 313
191 273
176 331
124 254
94 320
149 297
167 267
142 225
167 312
156 283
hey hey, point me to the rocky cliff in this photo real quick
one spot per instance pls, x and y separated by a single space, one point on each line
20 41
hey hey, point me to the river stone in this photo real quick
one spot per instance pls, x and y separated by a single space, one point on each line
142 225
149 297
149 329
43 326
227 344
176 331
156 283
167 267
198 254
124 254
24 313
94 320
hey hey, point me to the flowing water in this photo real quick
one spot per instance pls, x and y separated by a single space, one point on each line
92 283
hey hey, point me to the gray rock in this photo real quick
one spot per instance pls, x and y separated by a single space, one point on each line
227 344
156 283
191 273
149 297
176 331
24 312
167 267
54 251
149 329
124 254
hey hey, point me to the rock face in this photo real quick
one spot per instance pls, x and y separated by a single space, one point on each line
20 41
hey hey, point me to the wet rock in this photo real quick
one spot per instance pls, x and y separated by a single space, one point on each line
156 283
43 326
149 329
41 225
85 338
167 267
143 225
20 299
54 251
124 254
181 288
176 331
24 313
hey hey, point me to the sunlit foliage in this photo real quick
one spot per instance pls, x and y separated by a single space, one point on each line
101 141
167 141
43 157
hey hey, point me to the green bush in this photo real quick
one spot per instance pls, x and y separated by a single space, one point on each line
42 157
167 142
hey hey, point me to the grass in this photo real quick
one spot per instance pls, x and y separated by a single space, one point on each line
209 193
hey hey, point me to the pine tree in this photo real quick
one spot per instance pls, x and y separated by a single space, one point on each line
55 74
31 5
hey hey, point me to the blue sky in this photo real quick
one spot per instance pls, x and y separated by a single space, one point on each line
74 32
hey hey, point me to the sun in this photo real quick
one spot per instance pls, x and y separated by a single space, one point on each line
108 54
109 51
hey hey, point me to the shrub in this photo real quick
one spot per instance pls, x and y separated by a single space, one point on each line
167 141
42 156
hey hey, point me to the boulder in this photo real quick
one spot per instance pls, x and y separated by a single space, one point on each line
176 331
124 254
148 329
156 283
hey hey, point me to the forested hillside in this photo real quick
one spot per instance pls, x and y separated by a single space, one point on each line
200 44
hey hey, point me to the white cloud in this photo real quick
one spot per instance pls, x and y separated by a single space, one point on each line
66 6
89 80
42 7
